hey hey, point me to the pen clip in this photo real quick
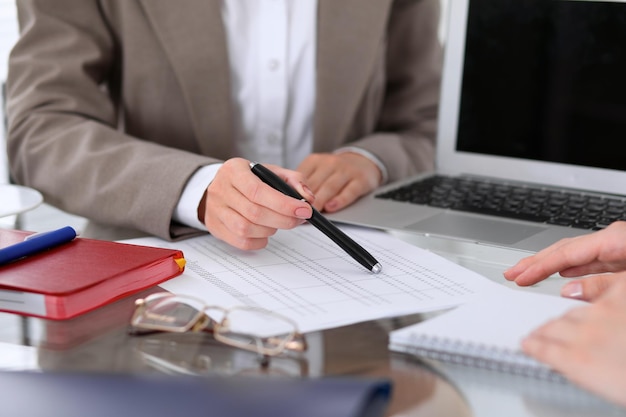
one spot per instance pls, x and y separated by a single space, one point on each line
40 234
35 235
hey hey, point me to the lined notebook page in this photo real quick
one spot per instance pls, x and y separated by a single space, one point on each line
486 333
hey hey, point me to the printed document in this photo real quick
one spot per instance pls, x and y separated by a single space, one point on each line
303 275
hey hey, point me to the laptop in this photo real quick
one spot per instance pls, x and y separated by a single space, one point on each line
532 128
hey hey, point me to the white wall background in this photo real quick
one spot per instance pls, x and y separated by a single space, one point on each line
8 36
8 32
443 24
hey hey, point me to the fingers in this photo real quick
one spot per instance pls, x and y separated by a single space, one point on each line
548 343
585 346
615 292
347 195
233 229
339 179
555 345
580 328
329 196
541 265
567 256
590 288
563 343
243 211
295 180
321 178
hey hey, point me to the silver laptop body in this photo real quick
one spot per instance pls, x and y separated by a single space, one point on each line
533 95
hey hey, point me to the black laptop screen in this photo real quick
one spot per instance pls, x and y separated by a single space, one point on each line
545 80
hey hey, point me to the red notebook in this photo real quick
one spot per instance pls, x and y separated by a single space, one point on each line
80 276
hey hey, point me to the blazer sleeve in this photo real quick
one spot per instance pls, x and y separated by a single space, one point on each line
63 124
404 136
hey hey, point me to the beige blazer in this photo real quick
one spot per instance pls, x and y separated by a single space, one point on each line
113 104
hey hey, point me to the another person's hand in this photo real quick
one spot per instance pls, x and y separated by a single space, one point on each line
243 211
602 252
587 344
337 180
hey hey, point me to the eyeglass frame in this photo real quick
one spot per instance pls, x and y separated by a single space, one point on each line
295 341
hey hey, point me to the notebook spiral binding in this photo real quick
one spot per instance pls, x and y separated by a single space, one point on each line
477 355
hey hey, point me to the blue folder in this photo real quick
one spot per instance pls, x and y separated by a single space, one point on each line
30 394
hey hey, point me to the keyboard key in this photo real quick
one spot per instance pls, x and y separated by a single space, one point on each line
571 209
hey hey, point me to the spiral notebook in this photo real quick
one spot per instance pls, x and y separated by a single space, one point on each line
486 333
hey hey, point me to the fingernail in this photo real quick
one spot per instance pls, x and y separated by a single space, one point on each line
303 213
572 290
528 343
308 190
510 274
331 205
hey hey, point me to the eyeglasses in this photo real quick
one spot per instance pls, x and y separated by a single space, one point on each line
250 328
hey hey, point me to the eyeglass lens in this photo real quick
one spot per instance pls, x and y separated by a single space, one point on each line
169 313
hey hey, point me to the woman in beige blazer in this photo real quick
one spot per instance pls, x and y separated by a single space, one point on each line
114 104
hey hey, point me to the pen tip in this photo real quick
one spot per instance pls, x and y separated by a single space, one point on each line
377 268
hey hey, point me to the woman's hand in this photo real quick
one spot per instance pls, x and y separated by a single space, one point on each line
337 180
597 253
587 344
243 211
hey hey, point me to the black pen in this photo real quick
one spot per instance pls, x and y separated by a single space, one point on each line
320 222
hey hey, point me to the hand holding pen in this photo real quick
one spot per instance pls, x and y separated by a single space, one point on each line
356 251
243 212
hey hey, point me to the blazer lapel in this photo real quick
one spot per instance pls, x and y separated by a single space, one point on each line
194 41
348 34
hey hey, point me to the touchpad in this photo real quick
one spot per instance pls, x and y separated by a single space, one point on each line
475 228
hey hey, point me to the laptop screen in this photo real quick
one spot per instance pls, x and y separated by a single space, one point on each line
545 80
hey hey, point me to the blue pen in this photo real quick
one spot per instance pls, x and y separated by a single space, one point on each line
36 243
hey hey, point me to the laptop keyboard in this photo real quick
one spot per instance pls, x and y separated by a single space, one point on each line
579 210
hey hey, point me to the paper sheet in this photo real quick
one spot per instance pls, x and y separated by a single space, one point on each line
511 316
302 274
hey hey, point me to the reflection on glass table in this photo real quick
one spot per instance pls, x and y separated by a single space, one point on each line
495 393
16 199
191 355
17 358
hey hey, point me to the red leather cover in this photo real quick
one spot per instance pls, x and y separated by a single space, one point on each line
85 273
